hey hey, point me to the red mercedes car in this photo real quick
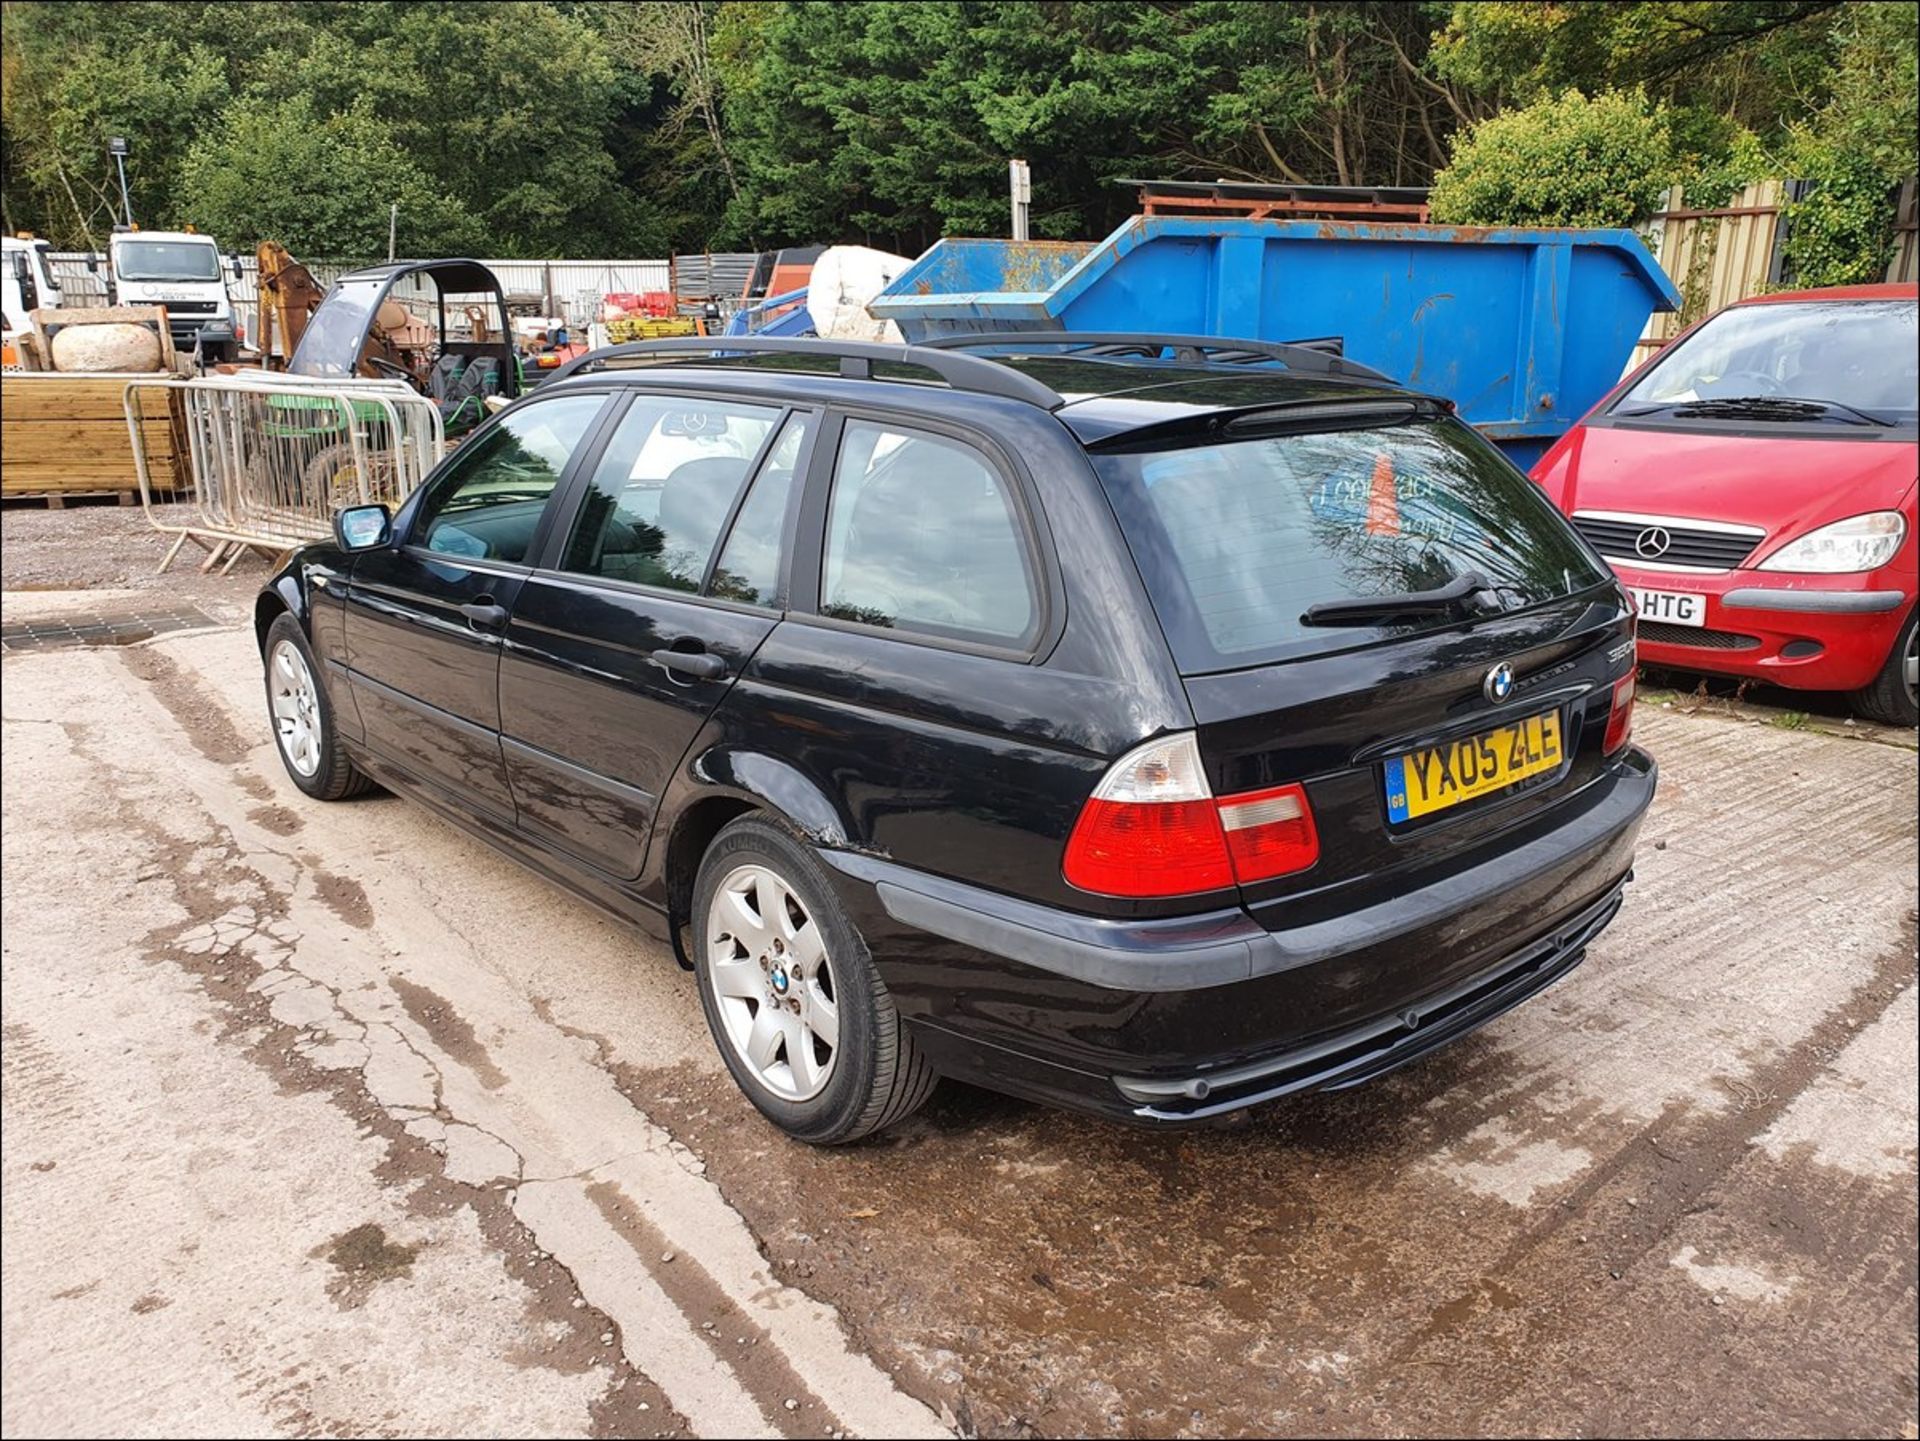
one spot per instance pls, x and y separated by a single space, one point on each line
1753 485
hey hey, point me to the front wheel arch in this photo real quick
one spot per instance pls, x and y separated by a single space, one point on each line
267 608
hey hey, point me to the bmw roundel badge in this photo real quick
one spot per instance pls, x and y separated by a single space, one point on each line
1499 683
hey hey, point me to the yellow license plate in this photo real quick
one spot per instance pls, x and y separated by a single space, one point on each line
1422 782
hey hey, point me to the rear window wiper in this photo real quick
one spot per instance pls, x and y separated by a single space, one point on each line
1471 591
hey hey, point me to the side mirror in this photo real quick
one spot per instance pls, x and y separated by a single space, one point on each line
238 273
93 264
363 527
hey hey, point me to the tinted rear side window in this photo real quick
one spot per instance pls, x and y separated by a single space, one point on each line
922 535
1236 540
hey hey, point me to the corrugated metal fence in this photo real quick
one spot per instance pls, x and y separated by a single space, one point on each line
1716 256
1726 254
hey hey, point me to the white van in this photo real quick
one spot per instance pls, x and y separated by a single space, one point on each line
179 269
26 281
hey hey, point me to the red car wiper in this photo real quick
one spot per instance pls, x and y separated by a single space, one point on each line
1773 407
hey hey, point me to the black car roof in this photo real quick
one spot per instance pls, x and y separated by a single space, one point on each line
1102 398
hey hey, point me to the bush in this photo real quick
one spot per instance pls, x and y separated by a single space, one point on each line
1565 160
1855 151
1841 231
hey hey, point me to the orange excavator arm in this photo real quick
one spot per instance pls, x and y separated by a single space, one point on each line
288 297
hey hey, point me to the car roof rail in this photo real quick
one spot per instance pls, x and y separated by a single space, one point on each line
857 359
1320 356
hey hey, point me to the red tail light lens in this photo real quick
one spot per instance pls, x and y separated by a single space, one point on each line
1153 828
1174 848
1620 717
1269 833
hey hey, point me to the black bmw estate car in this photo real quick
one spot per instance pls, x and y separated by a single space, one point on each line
1148 725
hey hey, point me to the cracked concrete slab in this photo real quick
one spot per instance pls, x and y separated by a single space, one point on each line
481 1085
507 1113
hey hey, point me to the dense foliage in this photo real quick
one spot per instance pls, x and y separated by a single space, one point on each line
897 118
1859 142
577 128
1565 160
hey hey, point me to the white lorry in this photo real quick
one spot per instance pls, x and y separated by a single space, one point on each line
183 271
26 282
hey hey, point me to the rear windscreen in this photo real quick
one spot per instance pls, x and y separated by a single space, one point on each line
1236 540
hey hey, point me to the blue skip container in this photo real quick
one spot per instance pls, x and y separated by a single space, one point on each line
1523 329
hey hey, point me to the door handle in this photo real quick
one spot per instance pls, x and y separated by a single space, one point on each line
697 664
485 614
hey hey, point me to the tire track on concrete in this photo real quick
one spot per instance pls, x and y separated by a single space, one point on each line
232 918
568 1197
1637 1198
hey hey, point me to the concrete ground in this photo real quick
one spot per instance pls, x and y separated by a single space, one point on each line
327 1119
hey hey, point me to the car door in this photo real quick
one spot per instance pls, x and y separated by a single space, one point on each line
651 600
423 619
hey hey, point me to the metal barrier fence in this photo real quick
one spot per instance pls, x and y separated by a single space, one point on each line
273 456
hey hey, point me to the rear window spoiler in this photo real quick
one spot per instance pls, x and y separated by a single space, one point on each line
1287 418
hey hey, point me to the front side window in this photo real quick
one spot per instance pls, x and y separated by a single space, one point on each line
922 535
749 567
486 506
664 488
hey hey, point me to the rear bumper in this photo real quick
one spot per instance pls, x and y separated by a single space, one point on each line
1363 1052
1171 1021
1809 632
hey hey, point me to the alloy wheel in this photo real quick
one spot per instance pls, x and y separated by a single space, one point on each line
296 708
773 982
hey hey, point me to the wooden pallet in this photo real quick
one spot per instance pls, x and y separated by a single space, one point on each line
60 499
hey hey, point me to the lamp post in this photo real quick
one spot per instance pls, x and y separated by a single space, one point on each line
117 147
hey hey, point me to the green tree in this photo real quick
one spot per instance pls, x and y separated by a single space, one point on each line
1755 62
277 170
1564 160
669 136
511 109
1854 151
505 105
894 121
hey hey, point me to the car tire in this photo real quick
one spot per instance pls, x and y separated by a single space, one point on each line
301 714
781 968
1890 699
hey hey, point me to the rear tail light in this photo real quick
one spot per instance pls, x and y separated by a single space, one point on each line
1620 717
1153 828
1269 833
